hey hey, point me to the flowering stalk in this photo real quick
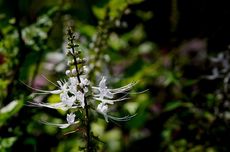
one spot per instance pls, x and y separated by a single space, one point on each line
87 123
75 92
99 43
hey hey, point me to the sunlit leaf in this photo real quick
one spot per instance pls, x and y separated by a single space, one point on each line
9 110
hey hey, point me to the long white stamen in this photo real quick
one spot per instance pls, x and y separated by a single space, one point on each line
49 81
44 91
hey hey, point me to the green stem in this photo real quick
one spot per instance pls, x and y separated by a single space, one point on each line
87 123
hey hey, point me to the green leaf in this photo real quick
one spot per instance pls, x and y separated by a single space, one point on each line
6 143
176 104
9 110
99 12
173 105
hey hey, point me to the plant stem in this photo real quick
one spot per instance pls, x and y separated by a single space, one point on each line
87 126
87 123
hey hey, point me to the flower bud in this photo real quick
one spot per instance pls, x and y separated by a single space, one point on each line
74 72
68 47
81 85
76 45
77 52
68 72
68 52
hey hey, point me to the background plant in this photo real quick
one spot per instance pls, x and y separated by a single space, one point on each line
166 45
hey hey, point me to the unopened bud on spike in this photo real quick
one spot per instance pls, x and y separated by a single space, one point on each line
78 60
81 85
68 72
74 72
76 45
76 53
67 53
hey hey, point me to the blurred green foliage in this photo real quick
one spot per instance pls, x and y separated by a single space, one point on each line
181 111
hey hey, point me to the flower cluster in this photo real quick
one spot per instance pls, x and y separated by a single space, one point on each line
76 91
106 97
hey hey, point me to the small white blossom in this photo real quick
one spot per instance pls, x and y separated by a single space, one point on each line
67 100
70 118
103 90
106 96
103 109
74 71
81 98
68 72
74 83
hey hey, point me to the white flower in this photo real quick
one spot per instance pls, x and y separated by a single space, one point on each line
103 90
70 118
67 100
69 93
85 82
77 93
74 83
81 98
106 95
103 109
